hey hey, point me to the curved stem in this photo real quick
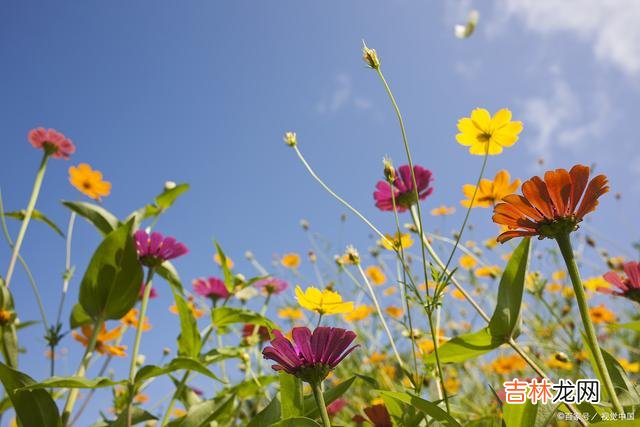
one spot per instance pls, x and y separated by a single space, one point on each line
317 394
67 265
564 242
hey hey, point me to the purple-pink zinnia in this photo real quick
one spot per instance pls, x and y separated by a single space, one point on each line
58 145
154 248
211 287
629 287
402 189
271 285
311 356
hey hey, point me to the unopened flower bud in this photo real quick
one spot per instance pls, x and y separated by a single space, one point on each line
352 255
370 57
313 258
290 139
304 224
166 351
389 170
249 255
169 185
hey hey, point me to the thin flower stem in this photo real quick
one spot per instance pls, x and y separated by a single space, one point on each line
67 266
88 353
322 407
27 217
564 242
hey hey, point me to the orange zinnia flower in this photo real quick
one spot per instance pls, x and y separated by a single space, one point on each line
101 342
549 207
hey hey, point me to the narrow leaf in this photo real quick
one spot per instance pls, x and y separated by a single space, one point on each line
189 341
38 216
101 218
426 407
223 316
151 371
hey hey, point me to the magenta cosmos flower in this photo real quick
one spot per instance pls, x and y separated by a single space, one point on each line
212 287
52 141
629 287
271 285
311 356
402 188
154 249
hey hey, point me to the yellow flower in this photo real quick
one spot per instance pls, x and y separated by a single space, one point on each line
88 181
559 275
492 271
403 240
443 210
359 313
290 313
291 260
457 294
508 364
377 357
376 275
103 338
131 319
600 314
490 243
452 385
559 361
490 192
195 310
484 134
322 302
218 260
633 368
567 292
390 371
468 262
394 311
390 291
178 412
593 283
554 287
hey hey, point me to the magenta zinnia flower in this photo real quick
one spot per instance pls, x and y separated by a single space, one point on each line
336 406
271 285
312 355
402 188
153 294
629 287
52 141
262 332
154 249
212 287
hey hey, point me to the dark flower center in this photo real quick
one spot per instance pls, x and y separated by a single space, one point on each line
484 137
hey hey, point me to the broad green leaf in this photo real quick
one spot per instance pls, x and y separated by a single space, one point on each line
138 415
38 216
111 284
297 422
465 347
291 397
329 396
204 413
252 387
226 272
101 218
517 415
74 382
79 317
220 354
186 395
634 326
269 415
33 407
9 332
150 371
189 341
506 317
223 316
424 406
168 272
166 199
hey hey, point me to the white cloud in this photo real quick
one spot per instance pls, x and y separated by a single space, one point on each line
341 96
610 25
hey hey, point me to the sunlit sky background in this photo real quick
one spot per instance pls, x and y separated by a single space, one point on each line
201 92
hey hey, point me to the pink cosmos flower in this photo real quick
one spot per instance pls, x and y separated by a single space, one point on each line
402 188
55 142
212 287
154 249
629 287
271 285
311 356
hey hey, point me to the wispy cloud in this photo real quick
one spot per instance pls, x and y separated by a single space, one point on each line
341 95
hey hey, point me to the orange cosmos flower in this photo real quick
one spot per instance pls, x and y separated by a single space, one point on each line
551 206
101 342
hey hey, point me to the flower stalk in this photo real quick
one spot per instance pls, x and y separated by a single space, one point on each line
322 407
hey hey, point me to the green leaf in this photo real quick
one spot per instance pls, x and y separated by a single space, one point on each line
79 317
517 415
634 326
74 382
151 371
228 277
189 341
33 407
424 406
138 415
166 199
466 346
168 272
204 413
269 415
221 353
252 387
330 396
9 332
111 284
296 422
38 216
26 324
101 218
291 397
223 316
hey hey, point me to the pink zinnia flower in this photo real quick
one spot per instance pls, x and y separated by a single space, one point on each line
212 287
378 415
629 287
262 332
52 141
154 249
152 294
312 355
271 285
336 406
402 188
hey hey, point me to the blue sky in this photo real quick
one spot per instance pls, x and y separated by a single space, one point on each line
201 92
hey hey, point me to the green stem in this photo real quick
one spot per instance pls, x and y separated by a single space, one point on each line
73 393
27 217
317 394
564 242
67 265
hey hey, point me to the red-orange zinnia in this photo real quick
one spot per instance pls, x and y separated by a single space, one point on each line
549 207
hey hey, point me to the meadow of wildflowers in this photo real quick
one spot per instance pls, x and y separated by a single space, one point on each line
422 328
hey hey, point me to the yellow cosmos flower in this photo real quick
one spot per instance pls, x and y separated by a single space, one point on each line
376 275
593 283
468 262
567 292
490 192
600 314
492 271
559 275
398 240
443 210
554 287
452 385
218 260
89 182
322 302
291 260
559 363
390 291
290 313
457 294
632 368
359 313
394 311
490 243
508 364
131 319
484 134
377 357
195 310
